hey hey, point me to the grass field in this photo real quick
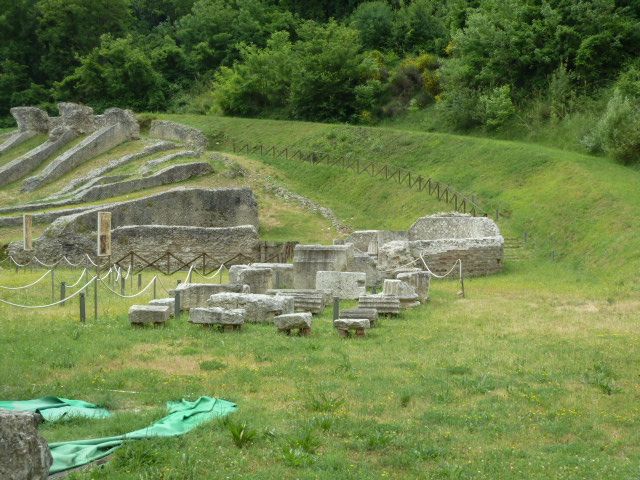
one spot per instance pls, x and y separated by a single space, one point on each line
532 376
527 377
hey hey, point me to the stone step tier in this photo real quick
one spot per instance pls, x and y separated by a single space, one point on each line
383 304
304 300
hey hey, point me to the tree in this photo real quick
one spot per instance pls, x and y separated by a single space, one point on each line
323 87
374 21
211 33
68 29
419 27
260 82
116 74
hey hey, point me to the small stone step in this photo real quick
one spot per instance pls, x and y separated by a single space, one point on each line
369 313
294 321
143 314
357 325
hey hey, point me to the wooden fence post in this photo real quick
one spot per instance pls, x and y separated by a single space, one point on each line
83 311
63 292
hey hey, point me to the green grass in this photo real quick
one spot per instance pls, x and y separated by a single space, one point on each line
21 149
516 381
579 207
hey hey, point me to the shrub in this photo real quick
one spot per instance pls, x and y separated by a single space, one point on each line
561 94
617 133
496 107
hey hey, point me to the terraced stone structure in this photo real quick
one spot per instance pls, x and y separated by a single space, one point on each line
219 222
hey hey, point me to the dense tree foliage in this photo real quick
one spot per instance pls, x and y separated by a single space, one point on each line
478 63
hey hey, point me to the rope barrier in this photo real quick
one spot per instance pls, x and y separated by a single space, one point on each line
214 273
80 278
129 296
51 304
106 274
27 286
457 263
46 265
18 264
90 261
188 277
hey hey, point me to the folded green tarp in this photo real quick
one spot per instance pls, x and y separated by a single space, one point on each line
183 417
54 408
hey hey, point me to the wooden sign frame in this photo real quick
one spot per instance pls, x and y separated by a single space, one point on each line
27 232
104 234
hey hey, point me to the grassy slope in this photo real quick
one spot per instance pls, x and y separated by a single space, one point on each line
582 207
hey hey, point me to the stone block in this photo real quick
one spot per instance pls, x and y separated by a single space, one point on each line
282 274
419 280
310 259
370 314
365 263
384 304
313 301
344 285
227 319
259 308
259 279
142 314
194 295
165 302
294 321
346 325
24 453
405 292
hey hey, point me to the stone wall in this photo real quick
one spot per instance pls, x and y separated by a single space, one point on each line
220 244
27 163
481 256
362 239
167 176
119 127
16 139
167 130
452 225
74 235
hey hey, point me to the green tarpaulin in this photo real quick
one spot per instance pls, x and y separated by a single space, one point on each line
54 408
183 417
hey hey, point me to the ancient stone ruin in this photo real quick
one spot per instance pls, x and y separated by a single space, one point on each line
440 240
220 222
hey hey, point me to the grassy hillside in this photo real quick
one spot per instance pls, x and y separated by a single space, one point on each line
583 208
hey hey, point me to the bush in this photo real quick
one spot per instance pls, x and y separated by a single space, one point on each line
496 107
458 108
617 133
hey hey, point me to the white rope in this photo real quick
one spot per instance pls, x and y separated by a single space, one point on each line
70 263
51 304
106 274
91 261
18 264
188 277
46 265
119 274
128 272
27 286
223 266
79 279
457 264
129 296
